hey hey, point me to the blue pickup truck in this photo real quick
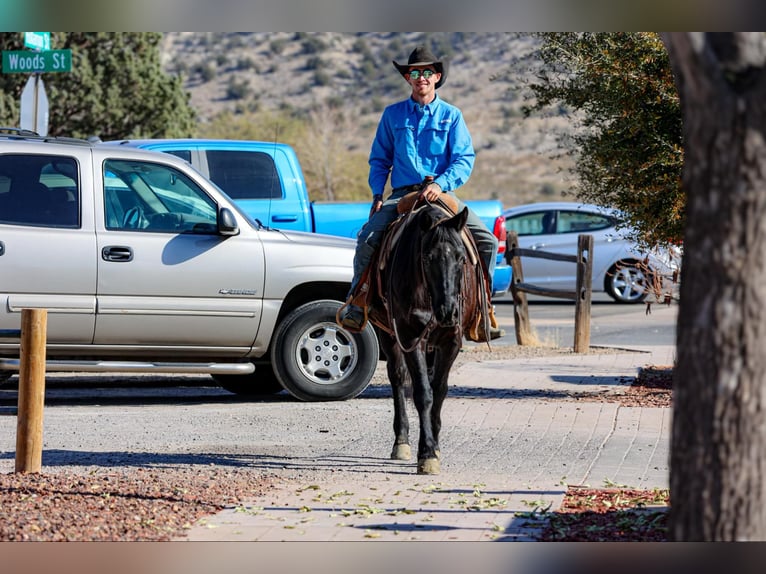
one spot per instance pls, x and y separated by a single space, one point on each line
266 180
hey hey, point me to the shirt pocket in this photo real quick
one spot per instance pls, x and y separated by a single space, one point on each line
438 139
404 135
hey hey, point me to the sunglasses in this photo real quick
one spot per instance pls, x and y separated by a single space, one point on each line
415 74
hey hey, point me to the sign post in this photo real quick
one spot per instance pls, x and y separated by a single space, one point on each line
34 106
34 101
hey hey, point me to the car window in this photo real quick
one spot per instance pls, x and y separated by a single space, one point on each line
39 190
536 223
143 196
244 174
582 222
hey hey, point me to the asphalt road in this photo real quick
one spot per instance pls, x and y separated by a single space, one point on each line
612 324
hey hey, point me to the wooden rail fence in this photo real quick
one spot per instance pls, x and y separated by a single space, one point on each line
581 295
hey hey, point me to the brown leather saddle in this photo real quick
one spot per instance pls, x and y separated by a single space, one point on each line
369 293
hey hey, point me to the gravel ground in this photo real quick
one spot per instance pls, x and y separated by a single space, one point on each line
102 504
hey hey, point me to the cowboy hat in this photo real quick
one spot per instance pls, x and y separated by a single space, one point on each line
422 56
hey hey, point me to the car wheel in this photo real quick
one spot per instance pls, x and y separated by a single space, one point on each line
262 382
317 360
627 281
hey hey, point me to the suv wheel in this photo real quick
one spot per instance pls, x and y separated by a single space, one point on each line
262 382
317 360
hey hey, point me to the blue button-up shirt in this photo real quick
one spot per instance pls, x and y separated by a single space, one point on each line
414 141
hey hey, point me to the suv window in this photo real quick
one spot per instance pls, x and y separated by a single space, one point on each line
244 174
142 196
39 190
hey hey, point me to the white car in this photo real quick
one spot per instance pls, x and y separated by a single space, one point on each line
619 268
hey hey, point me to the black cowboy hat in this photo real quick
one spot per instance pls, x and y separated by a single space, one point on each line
422 56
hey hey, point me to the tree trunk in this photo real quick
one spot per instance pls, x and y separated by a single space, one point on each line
718 445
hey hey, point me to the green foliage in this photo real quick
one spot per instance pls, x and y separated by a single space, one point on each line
237 90
311 43
206 71
629 152
116 88
277 46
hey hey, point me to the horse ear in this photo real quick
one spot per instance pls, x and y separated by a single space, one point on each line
458 221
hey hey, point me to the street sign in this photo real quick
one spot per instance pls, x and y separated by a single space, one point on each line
25 62
37 40
34 106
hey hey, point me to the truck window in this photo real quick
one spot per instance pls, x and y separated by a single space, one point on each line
184 154
244 174
39 190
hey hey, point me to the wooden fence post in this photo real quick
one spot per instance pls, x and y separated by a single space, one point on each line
29 428
584 292
524 334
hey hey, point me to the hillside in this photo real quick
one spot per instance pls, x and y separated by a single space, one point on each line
298 71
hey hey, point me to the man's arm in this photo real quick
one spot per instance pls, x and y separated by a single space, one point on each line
462 156
381 157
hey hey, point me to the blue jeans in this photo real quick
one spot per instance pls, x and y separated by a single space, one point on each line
371 235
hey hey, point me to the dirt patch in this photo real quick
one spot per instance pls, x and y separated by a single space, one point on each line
103 505
608 515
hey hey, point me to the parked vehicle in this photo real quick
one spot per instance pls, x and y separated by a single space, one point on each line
266 180
145 265
619 268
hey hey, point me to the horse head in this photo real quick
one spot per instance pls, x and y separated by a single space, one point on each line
443 257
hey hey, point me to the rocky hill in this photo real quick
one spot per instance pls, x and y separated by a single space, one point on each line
518 159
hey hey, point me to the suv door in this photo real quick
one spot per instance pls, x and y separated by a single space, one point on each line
47 244
166 277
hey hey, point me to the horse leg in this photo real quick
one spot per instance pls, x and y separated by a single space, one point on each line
428 460
398 377
441 363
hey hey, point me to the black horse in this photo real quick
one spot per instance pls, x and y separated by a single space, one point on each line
424 298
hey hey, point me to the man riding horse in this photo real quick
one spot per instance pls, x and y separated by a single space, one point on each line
418 138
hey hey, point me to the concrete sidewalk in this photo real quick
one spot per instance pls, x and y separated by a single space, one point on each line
524 437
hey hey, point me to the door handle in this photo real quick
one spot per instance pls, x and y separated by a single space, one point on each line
2 248
117 253
284 218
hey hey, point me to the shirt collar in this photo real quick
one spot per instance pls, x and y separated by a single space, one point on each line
428 107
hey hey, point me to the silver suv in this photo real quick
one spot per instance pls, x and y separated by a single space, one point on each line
145 265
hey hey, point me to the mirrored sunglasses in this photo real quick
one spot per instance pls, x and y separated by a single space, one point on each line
415 74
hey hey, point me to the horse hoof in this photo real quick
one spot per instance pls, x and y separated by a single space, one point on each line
401 452
429 466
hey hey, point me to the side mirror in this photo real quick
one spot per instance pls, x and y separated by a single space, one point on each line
227 223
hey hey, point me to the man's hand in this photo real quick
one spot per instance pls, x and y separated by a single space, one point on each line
431 192
377 202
